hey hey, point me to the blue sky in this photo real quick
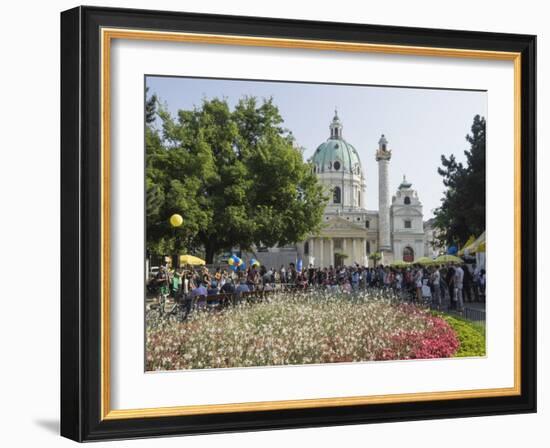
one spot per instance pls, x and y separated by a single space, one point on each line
420 124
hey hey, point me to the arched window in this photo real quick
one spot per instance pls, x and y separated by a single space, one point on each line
337 195
408 254
407 200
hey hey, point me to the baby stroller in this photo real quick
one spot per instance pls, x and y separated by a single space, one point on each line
426 293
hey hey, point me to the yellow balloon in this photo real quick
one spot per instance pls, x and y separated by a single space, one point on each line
176 220
231 262
240 262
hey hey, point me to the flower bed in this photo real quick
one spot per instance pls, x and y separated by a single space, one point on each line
299 329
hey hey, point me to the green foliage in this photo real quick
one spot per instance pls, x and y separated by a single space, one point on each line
150 107
462 210
375 256
470 335
235 177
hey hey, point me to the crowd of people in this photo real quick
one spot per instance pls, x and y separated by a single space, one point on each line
450 284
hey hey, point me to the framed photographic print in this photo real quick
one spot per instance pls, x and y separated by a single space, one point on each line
273 223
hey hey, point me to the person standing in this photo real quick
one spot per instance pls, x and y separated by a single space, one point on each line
311 277
482 282
355 277
435 279
185 283
418 284
253 278
459 285
163 282
450 281
475 283
276 278
291 275
468 280
399 283
175 283
282 274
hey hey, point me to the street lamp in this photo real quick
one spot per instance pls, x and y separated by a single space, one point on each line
175 221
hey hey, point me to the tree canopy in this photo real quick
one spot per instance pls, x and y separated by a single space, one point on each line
462 210
235 176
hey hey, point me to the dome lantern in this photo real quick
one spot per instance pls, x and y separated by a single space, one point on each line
405 184
336 127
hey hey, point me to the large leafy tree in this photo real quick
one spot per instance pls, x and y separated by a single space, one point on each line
173 185
234 175
462 210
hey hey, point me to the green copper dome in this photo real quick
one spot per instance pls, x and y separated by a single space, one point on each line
336 154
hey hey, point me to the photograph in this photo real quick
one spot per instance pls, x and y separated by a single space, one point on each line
294 223
274 223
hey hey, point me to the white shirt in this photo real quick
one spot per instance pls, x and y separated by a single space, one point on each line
459 276
418 278
436 277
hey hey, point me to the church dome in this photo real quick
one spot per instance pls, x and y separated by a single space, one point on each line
336 154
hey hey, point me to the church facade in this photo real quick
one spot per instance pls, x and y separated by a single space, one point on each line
351 232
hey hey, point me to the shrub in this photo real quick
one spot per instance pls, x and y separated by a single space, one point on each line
470 335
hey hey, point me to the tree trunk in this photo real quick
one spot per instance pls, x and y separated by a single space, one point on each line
209 252
175 261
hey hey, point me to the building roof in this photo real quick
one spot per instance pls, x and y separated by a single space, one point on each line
336 149
405 184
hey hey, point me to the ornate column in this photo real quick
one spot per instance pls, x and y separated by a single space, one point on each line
383 156
344 248
331 253
321 250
